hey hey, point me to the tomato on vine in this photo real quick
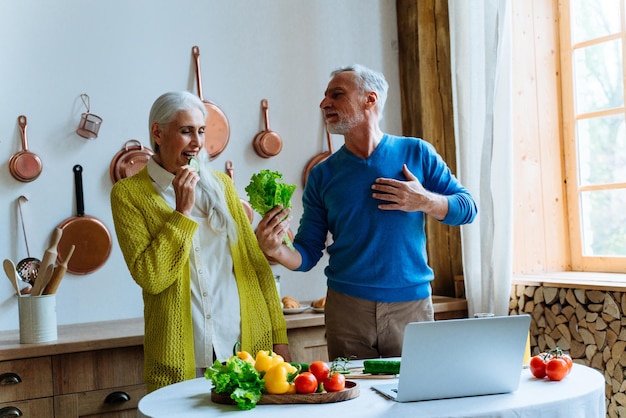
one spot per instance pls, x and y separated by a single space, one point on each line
554 364
538 365
336 382
320 370
556 369
305 383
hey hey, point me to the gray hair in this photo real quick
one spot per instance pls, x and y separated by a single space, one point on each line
165 108
212 200
368 80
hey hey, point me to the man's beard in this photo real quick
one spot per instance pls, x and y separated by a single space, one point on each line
341 127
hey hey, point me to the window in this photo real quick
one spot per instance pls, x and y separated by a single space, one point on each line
593 39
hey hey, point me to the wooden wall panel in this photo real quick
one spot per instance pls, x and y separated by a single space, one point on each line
540 230
425 81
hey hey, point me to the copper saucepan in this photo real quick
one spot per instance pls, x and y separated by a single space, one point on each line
230 170
318 158
267 143
129 160
88 234
25 166
217 130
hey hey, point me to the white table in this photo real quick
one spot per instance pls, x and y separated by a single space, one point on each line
581 394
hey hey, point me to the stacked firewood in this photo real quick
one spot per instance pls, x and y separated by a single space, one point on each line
585 323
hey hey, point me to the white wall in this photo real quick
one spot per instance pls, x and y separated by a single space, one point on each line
123 54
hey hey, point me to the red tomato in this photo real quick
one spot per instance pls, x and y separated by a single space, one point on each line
538 366
556 368
320 370
335 382
305 383
568 361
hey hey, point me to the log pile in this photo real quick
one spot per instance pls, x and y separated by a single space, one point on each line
587 324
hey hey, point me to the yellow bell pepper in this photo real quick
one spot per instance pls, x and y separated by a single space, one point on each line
265 360
243 355
279 379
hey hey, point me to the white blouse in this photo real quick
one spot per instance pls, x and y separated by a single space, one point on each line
214 296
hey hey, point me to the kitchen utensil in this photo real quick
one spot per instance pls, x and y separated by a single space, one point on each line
318 158
89 124
230 170
27 268
58 274
9 269
217 131
25 166
267 143
90 236
47 263
129 160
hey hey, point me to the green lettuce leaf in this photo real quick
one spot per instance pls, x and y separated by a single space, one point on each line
239 379
266 191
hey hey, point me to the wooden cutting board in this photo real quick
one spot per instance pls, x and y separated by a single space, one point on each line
357 373
350 392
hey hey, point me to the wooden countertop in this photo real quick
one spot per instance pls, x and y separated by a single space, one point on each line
75 338
313 319
129 332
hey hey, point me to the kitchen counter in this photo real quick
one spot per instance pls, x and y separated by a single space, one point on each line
129 332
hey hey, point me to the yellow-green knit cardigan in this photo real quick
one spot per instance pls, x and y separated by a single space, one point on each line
156 241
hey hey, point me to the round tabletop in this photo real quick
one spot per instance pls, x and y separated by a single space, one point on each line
580 394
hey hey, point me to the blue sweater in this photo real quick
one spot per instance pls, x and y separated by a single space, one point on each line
375 255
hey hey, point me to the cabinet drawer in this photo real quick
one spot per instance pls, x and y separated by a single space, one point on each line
99 369
36 408
308 344
25 379
115 402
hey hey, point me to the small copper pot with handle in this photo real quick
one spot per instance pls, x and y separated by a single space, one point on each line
25 166
267 143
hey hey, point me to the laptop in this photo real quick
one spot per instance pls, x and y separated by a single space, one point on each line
460 357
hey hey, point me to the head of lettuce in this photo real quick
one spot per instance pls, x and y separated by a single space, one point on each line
266 191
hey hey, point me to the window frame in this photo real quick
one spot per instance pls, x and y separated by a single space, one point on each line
580 262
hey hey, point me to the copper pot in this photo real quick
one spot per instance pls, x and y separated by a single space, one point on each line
318 158
267 143
89 236
129 160
217 131
24 166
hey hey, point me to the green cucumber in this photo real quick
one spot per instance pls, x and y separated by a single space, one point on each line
380 366
195 164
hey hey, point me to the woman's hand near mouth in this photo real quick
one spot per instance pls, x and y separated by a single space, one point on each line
184 184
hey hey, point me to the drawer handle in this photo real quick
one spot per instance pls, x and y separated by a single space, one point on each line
10 411
117 397
10 379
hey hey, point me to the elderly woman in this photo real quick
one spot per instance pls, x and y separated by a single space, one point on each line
190 247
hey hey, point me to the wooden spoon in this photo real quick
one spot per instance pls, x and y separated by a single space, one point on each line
9 269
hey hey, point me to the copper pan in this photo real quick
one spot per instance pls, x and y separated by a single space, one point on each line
318 158
217 130
24 166
89 235
230 170
267 143
129 160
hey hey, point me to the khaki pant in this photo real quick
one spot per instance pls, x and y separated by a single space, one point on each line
360 329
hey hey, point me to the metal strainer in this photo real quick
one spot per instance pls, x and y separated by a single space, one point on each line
27 268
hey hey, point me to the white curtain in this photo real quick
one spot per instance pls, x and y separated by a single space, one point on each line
480 38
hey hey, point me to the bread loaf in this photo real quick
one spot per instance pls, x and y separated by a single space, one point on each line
320 303
290 303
